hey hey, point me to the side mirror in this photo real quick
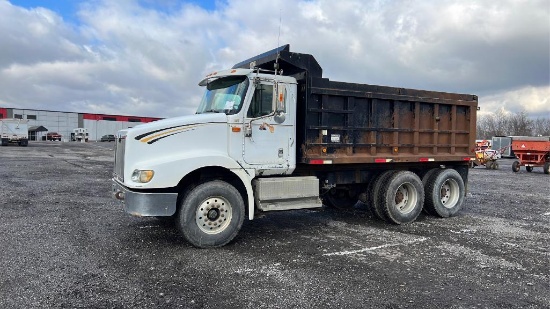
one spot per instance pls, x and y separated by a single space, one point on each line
279 117
278 103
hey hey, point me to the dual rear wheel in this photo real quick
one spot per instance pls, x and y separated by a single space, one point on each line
445 193
399 196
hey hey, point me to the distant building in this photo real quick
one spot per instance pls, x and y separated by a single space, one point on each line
42 121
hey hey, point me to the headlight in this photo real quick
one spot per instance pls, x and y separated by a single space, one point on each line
142 176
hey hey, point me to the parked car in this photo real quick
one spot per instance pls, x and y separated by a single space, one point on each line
53 136
108 138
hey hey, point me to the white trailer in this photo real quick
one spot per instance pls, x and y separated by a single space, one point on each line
504 145
14 131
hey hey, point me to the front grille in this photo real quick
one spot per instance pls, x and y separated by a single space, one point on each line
120 148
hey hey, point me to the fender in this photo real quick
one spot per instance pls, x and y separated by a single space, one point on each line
171 169
245 176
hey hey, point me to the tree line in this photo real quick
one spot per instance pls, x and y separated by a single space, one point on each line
502 123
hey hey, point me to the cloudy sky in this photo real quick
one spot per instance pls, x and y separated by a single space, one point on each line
145 57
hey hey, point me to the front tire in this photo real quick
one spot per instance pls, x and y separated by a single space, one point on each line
515 166
445 193
529 168
546 168
211 214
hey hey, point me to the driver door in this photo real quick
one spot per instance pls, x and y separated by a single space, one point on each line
267 144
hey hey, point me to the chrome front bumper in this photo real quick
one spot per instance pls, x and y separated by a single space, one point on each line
145 204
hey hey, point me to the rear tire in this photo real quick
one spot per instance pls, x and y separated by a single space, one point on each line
445 193
425 180
495 165
377 191
370 191
211 214
515 166
369 200
5 142
489 165
546 168
402 198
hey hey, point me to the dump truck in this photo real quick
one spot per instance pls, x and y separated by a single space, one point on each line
273 134
13 130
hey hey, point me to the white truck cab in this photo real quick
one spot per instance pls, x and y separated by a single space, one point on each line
244 128
80 135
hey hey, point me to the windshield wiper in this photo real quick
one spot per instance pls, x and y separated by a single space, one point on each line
212 111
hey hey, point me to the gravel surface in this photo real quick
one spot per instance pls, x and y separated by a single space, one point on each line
65 243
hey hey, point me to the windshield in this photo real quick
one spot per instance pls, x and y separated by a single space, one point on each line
224 95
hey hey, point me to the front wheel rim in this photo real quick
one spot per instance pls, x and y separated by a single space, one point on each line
449 193
213 215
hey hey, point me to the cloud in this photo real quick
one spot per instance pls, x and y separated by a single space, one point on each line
538 99
126 58
37 35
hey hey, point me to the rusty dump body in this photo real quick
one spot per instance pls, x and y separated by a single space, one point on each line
348 123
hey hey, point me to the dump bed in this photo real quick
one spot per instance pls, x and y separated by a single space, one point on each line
344 123
13 128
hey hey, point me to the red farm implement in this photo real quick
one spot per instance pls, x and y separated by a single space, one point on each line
531 152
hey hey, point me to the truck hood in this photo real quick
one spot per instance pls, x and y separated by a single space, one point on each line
153 131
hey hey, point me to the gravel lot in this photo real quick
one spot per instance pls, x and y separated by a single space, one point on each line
65 243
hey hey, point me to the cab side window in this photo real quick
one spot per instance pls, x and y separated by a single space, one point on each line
262 101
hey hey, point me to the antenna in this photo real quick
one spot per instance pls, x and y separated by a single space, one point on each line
280 11
276 64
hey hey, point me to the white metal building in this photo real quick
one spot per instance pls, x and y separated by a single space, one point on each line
42 121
